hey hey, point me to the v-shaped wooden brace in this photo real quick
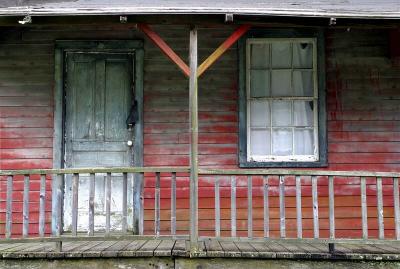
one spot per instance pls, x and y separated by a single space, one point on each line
169 52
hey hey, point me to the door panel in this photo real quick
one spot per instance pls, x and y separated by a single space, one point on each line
98 96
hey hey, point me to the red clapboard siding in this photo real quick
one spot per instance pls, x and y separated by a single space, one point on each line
363 93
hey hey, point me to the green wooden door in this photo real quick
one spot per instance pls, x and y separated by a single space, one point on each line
98 97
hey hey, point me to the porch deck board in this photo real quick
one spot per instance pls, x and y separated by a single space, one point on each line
209 248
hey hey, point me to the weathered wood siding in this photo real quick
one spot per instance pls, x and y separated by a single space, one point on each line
363 90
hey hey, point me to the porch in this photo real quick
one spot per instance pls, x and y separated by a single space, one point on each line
372 235
210 248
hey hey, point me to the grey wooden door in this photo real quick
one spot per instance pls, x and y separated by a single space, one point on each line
98 97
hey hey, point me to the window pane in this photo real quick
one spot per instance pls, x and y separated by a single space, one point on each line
302 55
304 142
260 142
281 55
303 113
282 142
259 83
259 114
281 82
303 84
281 113
259 56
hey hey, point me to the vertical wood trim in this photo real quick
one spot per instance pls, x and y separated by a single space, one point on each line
75 192
331 207
138 212
217 209
299 216
364 212
108 203
25 213
10 180
233 206
282 206
42 205
59 202
242 100
249 206
396 206
173 203
92 187
57 136
266 206
194 129
315 206
157 206
379 198
124 202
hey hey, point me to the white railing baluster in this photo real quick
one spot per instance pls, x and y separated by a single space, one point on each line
315 206
396 206
282 206
9 201
217 209
173 203
299 208
233 206
379 198
266 206
331 207
75 188
42 205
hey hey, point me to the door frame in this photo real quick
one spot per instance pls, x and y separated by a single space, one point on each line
121 46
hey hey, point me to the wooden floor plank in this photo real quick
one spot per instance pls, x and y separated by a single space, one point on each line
230 249
95 251
113 250
180 249
388 248
164 249
4 247
263 250
213 248
276 247
147 250
77 251
247 250
131 248
208 248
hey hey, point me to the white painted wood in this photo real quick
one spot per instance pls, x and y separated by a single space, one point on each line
315 206
266 206
282 216
364 212
299 216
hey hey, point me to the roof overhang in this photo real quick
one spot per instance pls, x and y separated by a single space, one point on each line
354 9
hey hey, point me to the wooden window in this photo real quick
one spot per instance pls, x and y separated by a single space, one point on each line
281 106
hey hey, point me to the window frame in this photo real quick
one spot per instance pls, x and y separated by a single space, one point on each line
282 34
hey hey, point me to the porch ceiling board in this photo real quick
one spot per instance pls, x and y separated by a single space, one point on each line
299 8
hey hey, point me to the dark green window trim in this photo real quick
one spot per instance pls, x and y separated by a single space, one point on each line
242 101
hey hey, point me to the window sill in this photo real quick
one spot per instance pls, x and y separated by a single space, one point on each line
283 164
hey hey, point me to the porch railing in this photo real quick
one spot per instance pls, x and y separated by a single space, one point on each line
41 179
376 181
256 182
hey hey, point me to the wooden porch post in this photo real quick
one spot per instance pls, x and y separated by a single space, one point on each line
194 129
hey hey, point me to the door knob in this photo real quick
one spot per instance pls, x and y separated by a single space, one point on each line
129 143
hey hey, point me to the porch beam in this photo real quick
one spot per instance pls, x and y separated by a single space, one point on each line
157 40
194 129
239 32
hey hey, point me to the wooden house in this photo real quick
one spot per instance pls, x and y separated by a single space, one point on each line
200 119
